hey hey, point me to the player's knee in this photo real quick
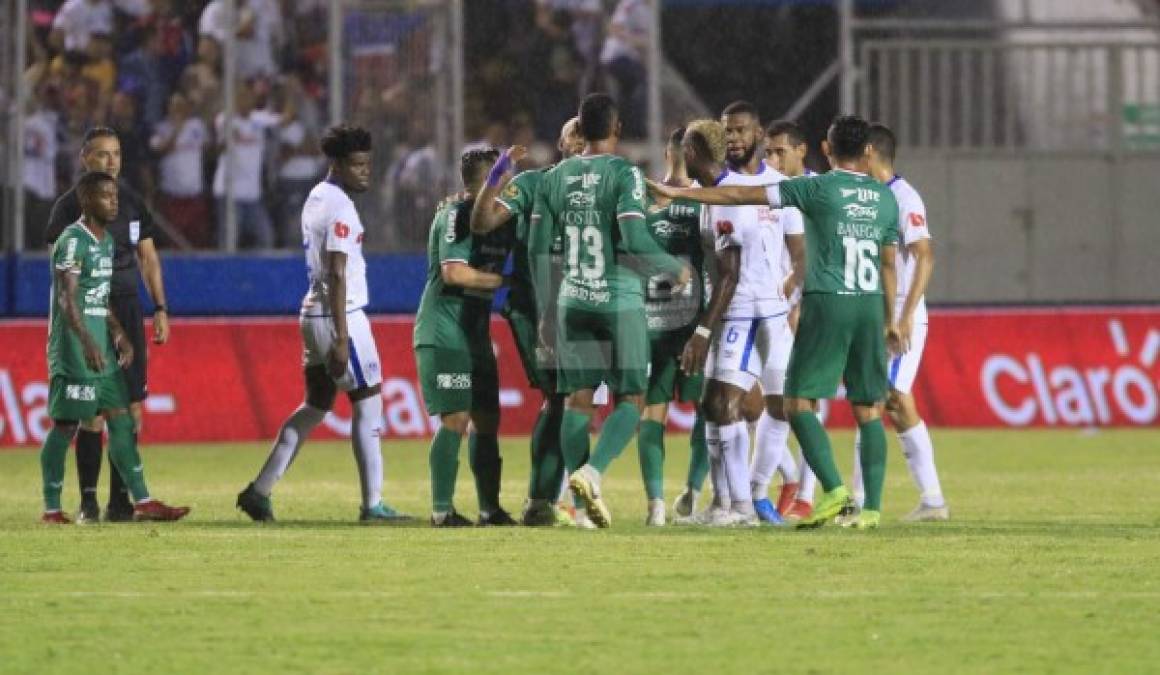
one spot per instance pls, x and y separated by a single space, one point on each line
581 402
119 421
67 427
635 400
657 412
320 389
485 421
456 422
794 406
864 414
95 424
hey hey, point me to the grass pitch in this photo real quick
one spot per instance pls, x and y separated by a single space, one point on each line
1050 565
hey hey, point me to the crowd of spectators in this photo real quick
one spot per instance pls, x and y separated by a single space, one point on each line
153 71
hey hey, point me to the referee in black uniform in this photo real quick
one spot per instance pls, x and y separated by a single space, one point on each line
132 233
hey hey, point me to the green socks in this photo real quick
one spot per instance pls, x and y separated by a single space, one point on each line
811 435
444 459
52 457
698 455
547 460
574 439
873 453
618 430
123 453
650 445
483 453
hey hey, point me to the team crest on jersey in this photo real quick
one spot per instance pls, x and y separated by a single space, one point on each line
724 227
917 220
511 191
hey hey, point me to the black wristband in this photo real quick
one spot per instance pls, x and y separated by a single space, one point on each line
160 308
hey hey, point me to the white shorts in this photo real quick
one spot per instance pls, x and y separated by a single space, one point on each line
363 369
903 369
748 350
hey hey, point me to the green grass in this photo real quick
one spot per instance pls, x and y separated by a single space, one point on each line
1050 565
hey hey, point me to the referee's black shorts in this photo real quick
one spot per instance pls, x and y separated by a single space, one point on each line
127 309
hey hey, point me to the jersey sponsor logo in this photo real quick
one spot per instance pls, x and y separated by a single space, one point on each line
134 231
587 181
863 194
70 253
917 220
638 184
682 211
665 228
359 238
341 229
80 392
579 199
453 381
859 212
97 296
724 227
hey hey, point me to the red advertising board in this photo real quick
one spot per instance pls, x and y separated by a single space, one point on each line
235 379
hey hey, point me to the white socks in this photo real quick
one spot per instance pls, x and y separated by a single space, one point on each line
919 451
772 445
291 436
807 482
366 428
734 445
787 467
856 487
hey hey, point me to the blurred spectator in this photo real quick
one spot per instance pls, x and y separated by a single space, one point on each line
201 83
93 67
299 167
40 153
143 76
583 22
415 182
77 21
248 129
623 58
180 140
259 31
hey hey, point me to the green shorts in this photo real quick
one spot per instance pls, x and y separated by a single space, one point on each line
609 347
665 377
839 337
454 380
79 400
525 332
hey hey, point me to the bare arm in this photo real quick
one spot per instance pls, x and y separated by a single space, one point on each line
120 342
465 276
66 298
889 289
923 252
730 195
336 301
488 213
150 263
796 245
728 273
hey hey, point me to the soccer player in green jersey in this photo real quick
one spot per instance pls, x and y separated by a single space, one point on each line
457 367
86 348
847 314
509 204
596 200
671 316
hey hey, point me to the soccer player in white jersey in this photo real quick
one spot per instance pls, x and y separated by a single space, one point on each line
913 277
340 350
753 341
786 149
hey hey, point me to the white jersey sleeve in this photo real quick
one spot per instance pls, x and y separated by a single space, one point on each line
912 227
330 224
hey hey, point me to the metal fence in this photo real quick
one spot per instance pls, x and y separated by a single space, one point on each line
1002 95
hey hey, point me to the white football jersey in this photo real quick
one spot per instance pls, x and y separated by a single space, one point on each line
912 226
331 223
760 232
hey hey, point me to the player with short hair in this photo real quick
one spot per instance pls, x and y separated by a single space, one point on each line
86 344
675 226
910 307
786 149
456 362
134 249
596 200
754 340
340 350
847 307
501 203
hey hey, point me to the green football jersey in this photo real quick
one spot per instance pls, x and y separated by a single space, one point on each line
676 228
597 203
519 196
453 317
78 252
849 217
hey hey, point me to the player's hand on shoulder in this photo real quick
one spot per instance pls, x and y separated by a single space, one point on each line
338 357
661 190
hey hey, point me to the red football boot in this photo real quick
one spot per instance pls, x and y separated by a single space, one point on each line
55 518
786 498
155 509
800 510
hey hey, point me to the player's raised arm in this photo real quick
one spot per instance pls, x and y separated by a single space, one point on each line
729 195
489 212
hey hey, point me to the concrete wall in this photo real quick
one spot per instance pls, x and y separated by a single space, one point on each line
1042 229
